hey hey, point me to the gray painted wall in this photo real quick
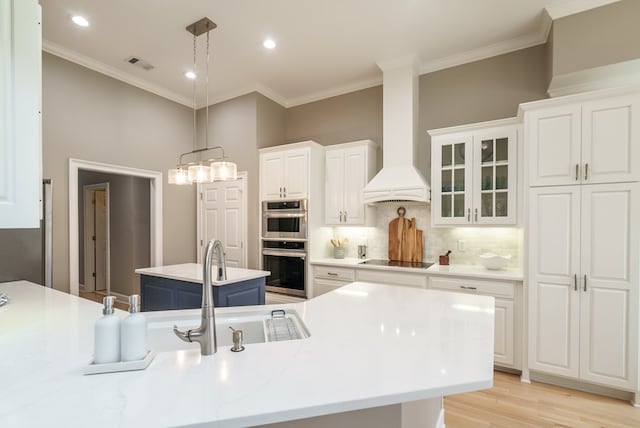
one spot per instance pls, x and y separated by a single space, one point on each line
479 91
90 116
232 125
349 117
475 92
597 37
129 227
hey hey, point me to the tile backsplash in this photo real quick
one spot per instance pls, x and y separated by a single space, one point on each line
477 240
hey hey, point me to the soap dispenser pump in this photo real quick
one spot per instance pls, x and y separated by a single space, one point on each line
107 335
133 340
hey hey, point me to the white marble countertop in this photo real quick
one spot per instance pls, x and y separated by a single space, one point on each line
475 271
370 345
192 272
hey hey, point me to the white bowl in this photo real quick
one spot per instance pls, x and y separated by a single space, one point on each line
493 261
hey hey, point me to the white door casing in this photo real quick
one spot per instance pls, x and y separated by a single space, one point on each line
222 214
155 211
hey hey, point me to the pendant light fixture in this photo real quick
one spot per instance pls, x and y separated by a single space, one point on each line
210 169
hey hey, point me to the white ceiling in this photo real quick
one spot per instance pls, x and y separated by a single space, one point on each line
325 47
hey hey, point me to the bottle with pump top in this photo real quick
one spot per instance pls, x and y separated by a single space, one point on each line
133 338
107 335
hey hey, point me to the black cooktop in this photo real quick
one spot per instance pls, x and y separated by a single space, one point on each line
396 263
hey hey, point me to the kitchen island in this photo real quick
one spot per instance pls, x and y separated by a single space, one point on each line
376 356
180 287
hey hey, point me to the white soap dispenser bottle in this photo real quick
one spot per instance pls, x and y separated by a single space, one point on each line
107 335
133 340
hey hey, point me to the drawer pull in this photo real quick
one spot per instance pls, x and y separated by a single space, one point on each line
332 274
466 287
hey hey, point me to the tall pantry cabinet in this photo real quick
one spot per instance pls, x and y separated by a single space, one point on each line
584 237
20 100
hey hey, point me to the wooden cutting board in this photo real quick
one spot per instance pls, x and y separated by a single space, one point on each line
405 240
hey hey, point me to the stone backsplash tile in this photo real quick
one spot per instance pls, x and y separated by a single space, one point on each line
477 240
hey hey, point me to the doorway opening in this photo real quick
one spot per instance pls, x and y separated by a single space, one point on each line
150 229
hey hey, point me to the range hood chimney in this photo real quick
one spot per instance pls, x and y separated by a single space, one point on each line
399 179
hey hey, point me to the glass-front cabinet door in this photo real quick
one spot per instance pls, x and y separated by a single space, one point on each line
494 168
451 180
473 176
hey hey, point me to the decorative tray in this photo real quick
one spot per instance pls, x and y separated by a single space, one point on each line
122 366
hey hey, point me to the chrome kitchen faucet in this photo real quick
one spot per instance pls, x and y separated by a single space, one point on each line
205 335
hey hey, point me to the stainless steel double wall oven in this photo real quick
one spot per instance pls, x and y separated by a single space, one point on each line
284 246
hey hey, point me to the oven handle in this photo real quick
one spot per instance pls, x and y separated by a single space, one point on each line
284 253
284 215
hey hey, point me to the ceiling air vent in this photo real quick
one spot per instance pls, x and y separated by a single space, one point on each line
139 62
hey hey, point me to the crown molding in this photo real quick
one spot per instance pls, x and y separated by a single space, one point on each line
334 92
522 42
571 7
90 63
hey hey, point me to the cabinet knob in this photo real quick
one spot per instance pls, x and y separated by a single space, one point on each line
466 287
468 215
476 214
586 171
577 171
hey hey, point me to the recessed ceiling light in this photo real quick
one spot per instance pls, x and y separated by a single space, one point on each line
80 20
190 75
269 44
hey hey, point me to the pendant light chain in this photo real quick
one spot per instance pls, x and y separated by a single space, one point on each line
195 139
207 95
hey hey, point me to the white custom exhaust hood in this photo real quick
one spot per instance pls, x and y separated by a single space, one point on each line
398 180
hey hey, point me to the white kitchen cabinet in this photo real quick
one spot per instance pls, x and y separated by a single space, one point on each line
474 174
508 312
20 121
284 173
594 141
327 278
584 246
348 168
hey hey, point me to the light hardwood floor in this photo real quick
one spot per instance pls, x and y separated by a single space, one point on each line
97 297
512 404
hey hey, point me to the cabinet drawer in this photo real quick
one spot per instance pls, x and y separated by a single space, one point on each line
384 277
504 289
337 273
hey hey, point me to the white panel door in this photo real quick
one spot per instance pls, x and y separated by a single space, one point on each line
554 138
222 217
296 174
20 136
334 186
355 178
271 176
611 140
609 284
554 298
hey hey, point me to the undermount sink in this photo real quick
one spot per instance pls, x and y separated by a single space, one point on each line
256 326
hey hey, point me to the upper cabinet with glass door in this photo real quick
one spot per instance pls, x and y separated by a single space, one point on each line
473 170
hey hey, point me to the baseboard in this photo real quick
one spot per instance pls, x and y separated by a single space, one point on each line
120 297
583 386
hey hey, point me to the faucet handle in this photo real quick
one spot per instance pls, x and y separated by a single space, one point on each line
184 335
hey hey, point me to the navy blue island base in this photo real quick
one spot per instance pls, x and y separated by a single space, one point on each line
161 294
